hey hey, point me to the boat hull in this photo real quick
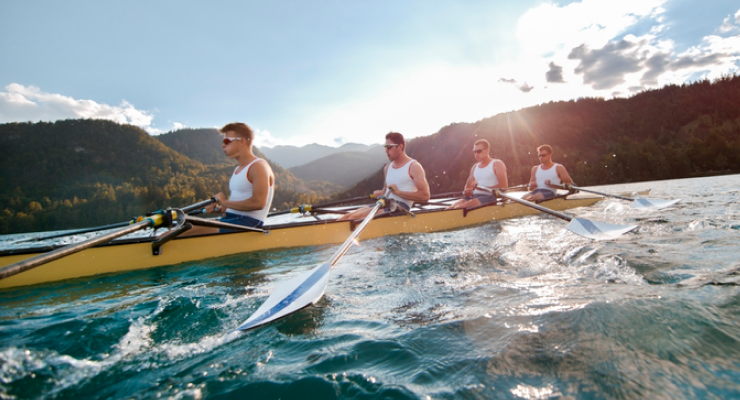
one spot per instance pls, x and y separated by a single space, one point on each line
136 255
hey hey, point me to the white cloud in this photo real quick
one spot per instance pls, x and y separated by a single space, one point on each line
549 28
730 23
20 103
264 139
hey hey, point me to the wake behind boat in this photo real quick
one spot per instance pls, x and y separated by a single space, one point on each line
147 252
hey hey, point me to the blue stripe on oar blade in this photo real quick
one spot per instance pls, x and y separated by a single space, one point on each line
597 230
290 297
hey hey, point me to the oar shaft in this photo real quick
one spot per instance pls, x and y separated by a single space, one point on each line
616 196
343 249
538 207
33 262
75 232
535 206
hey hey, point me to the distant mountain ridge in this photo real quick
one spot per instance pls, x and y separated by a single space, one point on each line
344 168
293 156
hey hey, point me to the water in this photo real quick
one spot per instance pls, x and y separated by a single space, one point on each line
520 309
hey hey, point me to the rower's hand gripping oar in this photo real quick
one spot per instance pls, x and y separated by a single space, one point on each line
584 227
639 203
154 220
306 289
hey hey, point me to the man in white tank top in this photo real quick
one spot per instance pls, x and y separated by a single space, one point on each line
544 175
487 172
405 181
252 184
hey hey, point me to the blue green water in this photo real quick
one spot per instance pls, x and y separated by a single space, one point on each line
518 309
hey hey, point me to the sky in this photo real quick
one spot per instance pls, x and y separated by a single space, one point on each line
335 72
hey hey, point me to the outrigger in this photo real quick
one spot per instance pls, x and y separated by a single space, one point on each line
106 255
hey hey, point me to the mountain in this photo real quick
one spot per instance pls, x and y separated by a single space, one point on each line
204 145
668 133
292 156
344 169
78 173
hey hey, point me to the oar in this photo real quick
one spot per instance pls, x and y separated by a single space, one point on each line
75 232
304 208
639 202
156 219
193 209
306 289
584 227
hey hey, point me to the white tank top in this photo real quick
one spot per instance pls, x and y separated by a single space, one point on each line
402 178
241 188
547 174
485 177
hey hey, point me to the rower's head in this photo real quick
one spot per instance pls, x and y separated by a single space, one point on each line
395 145
481 148
544 153
237 132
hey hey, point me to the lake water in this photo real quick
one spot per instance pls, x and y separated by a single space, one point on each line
519 309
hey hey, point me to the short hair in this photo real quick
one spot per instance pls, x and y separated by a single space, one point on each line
395 137
241 129
483 142
545 147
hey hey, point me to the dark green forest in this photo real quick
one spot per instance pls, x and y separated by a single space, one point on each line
78 173
673 132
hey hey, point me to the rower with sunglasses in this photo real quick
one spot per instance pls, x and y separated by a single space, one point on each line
545 175
405 181
488 173
252 185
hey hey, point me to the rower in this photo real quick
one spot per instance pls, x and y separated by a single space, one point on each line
488 173
252 185
545 176
405 181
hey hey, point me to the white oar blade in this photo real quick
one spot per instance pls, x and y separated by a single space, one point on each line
291 296
648 204
597 230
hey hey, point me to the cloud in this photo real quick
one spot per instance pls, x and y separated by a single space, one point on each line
526 88
730 23
555 74
264 139
20 103
633 62
605 68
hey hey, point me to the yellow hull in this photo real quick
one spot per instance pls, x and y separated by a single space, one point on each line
122 257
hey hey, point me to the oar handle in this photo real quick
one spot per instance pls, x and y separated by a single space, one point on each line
196 206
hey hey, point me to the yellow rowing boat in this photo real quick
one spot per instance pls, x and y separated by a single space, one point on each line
137 253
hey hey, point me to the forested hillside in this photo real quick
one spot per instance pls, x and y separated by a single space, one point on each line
77 173
673 132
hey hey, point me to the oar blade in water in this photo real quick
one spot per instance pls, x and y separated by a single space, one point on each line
653 204
598 230
291 296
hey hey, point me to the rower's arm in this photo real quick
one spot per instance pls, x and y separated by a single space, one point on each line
533 179
499 168
563 175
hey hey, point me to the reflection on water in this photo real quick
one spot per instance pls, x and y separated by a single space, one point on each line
519 308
